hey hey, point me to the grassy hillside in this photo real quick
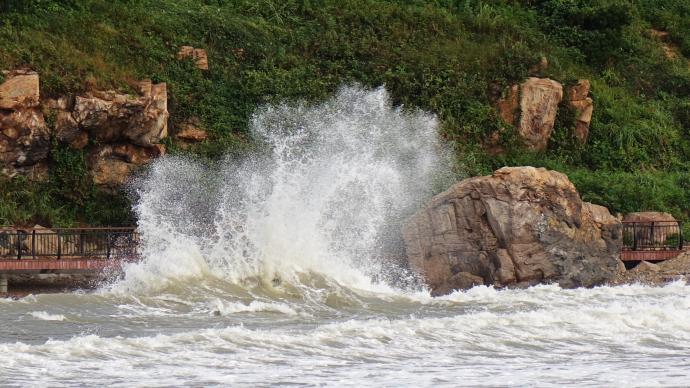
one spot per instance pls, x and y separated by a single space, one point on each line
444 56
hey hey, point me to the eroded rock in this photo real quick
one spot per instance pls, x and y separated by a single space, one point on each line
126 129
579 100
539 99
517 227
24 141
19 90
532 108
110 116
112 165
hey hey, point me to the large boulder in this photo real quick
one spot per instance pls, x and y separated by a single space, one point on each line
517 227
111 116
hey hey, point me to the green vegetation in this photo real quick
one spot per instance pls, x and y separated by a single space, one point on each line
445 56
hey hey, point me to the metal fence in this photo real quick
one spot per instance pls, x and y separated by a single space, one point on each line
103 243
653 235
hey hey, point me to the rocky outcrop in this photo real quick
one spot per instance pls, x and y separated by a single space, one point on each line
197 54
112 117
112 165
539 99
24 135
533 106
517 227
579 100
125 130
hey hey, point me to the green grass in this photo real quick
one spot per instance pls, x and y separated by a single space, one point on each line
445 56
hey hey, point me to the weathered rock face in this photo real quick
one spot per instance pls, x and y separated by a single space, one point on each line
539 99
127 129
579 100
111 117
113 164
533 106
67 130
517 227
24 136
20 90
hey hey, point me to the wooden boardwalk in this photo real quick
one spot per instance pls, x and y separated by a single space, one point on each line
652 241
40 250
76 250
66 265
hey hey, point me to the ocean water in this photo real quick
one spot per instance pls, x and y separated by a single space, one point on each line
281 269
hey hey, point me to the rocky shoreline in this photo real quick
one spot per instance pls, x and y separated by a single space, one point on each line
673 270
645 273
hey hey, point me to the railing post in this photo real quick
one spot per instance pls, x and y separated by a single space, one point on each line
81 242
19 247
107 244
681 243
33 244
59 245
634 228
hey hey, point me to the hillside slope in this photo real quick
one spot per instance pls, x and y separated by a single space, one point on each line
449 57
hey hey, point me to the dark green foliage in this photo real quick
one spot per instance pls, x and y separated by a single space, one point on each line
67 198
596 27
449 57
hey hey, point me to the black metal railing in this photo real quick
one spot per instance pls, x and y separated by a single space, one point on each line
653 235
103 243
